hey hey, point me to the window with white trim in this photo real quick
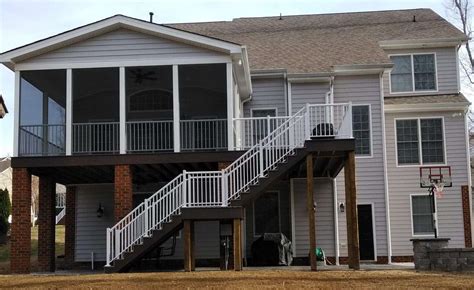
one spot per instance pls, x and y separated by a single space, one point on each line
267 213
413 72
361 129
422 214
417 137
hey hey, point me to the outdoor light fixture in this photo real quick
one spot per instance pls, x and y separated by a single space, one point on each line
341 207
100 211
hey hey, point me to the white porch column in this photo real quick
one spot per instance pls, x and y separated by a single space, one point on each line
69 112
16 115
176 117
230 107
123 112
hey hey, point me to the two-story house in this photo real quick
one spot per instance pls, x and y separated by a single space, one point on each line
191 141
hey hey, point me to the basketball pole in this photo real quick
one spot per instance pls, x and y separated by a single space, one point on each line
433 210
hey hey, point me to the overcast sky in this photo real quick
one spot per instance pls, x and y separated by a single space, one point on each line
25 21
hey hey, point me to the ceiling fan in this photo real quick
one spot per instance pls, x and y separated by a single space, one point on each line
140 75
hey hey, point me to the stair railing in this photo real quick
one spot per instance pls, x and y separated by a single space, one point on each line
211 188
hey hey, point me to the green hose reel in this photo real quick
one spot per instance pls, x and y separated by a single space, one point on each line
319 254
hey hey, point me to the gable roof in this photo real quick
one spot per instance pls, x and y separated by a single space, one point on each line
9 58
317 43
449 102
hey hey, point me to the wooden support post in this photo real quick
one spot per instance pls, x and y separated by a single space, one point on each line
237 228
189 263
351 212
311 211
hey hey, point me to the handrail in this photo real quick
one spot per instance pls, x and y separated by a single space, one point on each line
219 188
60 215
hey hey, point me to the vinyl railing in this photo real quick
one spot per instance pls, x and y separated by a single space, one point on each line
212 188
60 199
100 137
33 141
218 188
205 134
254 129
149 136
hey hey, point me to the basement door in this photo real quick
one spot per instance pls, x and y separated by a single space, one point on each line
366 232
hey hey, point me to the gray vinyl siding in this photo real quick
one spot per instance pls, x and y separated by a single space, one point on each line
267 93
90 230
323 196
404 181
120 45
446 67
364 90
283 188
312 93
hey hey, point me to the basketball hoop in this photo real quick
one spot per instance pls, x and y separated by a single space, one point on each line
435 179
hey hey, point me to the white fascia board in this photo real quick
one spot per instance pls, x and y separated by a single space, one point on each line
361 69
110 24
422 43
436 107
242 73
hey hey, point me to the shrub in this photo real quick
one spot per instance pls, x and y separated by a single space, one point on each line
5 210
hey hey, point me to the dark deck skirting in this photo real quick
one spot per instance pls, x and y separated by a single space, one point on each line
212 214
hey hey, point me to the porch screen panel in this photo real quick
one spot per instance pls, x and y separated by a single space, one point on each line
42 112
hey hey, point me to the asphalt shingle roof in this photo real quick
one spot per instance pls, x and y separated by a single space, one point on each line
438 99
315 43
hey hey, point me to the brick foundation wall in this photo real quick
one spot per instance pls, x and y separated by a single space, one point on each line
46 225
466 210
402 259
123 198
20 238
70 226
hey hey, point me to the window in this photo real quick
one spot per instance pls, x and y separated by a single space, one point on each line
267 213
413 73
421 208
361 129
420 136
260 126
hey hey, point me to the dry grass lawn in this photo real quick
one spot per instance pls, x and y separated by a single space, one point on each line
247 280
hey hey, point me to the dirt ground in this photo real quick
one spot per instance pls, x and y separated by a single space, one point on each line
247 280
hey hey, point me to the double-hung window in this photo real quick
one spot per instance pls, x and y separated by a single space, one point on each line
413 73
422 217
420 138
361 129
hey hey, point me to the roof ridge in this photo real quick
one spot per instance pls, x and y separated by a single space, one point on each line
334 13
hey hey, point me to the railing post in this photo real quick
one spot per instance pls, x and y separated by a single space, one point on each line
307 123
147 222
185 189
117 242
268 126
349 119
107 257
224 189
260 155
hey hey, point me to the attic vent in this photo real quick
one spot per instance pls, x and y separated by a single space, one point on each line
151 17
281 18
414 18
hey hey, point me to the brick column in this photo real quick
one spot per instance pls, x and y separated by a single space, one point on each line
123 198
46 225
70 226
466 210
21 221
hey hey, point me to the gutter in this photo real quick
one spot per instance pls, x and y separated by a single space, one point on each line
421 43
425 107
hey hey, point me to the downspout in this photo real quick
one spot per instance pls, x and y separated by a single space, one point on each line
385 173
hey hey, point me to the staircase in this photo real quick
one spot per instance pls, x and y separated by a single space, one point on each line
160 216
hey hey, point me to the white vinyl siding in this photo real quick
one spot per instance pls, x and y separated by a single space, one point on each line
446 71
405 181
312 93
121 45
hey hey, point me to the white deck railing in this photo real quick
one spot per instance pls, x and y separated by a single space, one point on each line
100 137
205 134
60 215
218 188
149 136
254 129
